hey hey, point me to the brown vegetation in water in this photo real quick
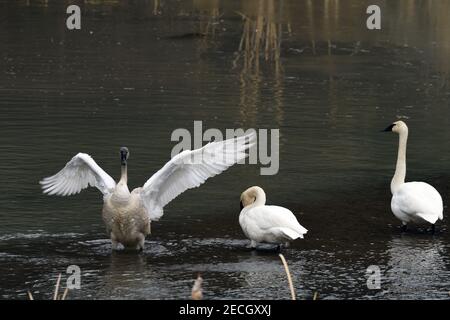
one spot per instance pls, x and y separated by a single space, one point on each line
56 295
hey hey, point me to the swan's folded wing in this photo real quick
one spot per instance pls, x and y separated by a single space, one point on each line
421 199
268 217
286 232
79 173
189 169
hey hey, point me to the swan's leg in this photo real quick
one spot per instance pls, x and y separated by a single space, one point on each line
433 229
404 227
141 242
114 242
149 228
253 244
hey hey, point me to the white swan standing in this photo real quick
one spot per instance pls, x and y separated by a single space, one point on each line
416 202
128 215
267 224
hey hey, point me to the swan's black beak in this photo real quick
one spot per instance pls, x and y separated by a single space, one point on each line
124 155
241 205
388 129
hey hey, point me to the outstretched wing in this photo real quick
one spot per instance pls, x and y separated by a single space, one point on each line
189 169
79 173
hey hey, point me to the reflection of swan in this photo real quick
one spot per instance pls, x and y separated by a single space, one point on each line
261 276
128 215
130 276
269 224
415 267
416 202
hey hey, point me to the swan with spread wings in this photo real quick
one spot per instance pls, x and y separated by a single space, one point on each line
128 215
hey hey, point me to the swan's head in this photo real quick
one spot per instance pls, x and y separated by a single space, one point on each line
249 196
124 154
397 127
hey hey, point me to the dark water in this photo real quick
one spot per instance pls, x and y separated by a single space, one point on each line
136 71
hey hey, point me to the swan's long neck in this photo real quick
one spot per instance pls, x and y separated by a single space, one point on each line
122 192
260 197
400 169
123 174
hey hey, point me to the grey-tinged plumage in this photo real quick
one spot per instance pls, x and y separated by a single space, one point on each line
128 215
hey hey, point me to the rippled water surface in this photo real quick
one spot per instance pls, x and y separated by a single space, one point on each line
136 71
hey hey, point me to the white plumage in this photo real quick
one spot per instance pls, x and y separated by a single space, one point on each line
267 224
78 174
416 202
189 169
128 215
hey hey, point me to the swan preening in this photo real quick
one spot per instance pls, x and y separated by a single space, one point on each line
267 224
416 202
128 215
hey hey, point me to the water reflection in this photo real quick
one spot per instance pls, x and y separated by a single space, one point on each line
209 12
138 70
416 264
128 275
260 43
157 10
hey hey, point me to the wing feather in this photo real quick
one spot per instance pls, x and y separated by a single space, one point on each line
78 174
189 169
268 217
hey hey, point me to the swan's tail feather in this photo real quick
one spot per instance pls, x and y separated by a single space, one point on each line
289 233
429 218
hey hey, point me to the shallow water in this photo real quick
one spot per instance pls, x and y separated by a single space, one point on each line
134 73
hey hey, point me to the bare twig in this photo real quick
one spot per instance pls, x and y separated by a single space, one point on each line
288 274
65 294
55 296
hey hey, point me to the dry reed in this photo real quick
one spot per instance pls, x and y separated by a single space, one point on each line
56 295
288 274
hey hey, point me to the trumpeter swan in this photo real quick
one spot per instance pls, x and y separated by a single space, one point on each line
267 224
416 202
128 215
